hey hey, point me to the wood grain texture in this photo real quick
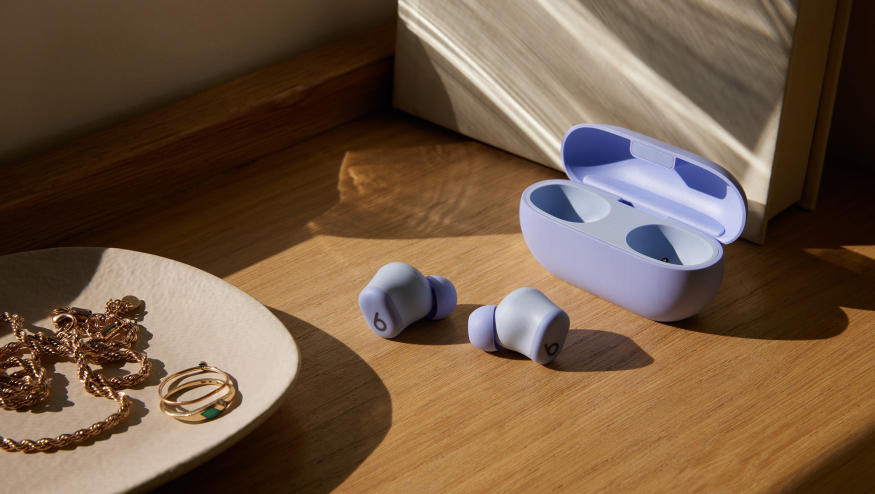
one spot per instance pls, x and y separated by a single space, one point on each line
771 388
103 176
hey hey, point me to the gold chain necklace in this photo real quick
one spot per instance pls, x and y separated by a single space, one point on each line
84 338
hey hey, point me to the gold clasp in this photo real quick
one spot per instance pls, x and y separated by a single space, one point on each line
74 315
59 318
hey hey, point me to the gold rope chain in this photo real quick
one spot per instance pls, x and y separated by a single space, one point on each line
84 338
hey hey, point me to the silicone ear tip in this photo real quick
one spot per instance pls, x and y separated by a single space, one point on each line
443 297
481 328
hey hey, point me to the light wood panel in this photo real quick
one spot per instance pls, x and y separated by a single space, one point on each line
770 388
742 84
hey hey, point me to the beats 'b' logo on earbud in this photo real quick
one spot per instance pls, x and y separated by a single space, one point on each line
525 321
399 294
379 324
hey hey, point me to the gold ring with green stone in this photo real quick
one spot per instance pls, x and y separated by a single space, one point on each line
207 406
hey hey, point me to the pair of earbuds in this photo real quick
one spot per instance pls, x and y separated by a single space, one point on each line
525 321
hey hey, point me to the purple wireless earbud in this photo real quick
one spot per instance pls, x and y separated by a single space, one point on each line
443 299
481 328
526 321
398 295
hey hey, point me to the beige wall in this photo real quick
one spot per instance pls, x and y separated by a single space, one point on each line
71 67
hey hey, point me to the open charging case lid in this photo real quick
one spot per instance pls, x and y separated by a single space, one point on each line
656 177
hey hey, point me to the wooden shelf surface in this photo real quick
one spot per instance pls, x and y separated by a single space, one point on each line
771 388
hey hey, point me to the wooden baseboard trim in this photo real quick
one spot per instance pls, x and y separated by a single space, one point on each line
109 174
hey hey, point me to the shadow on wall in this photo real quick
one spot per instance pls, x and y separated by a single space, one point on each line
518 75
425 92
311 443
699 71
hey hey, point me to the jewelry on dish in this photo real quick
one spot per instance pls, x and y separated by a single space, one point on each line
205 407
85 337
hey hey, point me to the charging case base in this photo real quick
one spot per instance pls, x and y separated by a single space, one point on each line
640 223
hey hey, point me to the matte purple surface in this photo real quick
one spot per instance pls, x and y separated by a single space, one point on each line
481 328
525 321
550 337
380 313
398 294
637 224
443 296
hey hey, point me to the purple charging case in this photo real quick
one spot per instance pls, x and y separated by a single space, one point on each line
641 223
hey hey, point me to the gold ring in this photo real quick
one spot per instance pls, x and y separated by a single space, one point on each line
207 406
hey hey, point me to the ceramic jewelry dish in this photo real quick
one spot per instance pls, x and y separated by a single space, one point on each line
641 223
191 316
